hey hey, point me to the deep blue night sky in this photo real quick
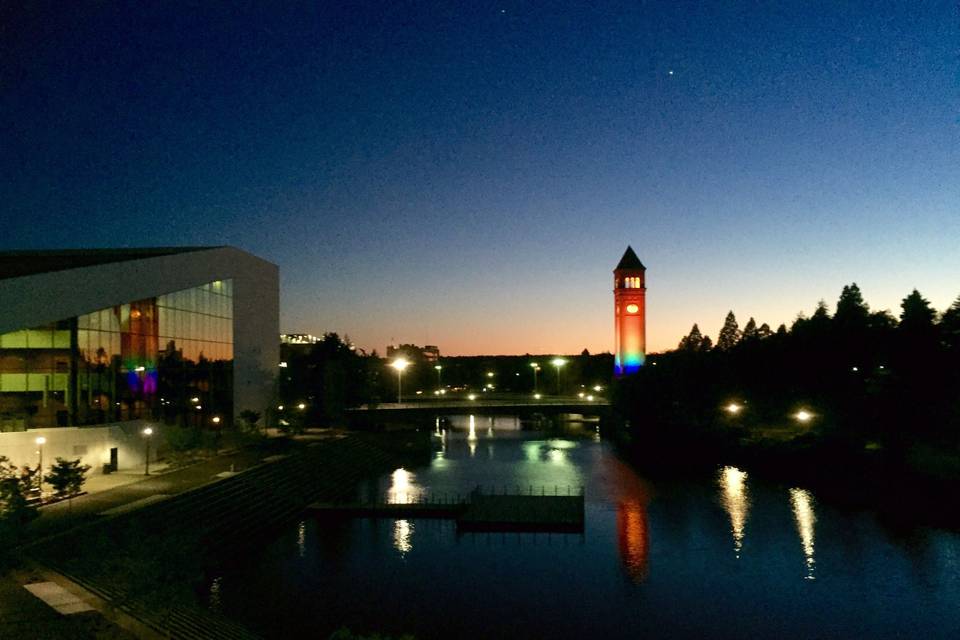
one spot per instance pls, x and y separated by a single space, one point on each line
468 174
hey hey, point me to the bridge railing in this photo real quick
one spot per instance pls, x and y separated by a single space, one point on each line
453 498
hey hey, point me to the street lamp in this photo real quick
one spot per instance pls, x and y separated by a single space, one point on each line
536 368
146 434
400 364
558 362
439 369
40 442
733 408
803 416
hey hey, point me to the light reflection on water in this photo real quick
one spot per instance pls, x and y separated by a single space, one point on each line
654 559
403 536
633 538
403 487
802 503
736 500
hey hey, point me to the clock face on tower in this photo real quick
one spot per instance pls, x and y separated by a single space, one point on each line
632 308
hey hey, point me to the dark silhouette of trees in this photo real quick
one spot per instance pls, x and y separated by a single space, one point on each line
764 332
67 477
875 383
950 326
328 378
729 334
692 341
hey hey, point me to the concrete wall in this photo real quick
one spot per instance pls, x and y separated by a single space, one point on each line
39 299
91 444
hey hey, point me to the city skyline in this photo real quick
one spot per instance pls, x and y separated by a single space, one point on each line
469 176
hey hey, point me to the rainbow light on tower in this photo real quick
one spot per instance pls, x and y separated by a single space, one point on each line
629 313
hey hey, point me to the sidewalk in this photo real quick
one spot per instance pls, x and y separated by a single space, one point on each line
22 615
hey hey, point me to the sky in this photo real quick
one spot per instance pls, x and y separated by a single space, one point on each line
467 174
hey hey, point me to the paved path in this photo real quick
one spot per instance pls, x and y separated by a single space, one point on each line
23 616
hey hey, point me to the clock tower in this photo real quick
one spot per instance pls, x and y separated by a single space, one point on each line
629 314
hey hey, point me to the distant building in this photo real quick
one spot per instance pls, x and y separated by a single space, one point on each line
430 353
298 338
629 314
172 336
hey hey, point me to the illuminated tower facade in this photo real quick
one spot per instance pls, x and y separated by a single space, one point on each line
629 313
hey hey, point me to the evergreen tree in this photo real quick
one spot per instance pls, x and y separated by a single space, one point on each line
692 341
750 331
950 325
852 311
917 314
764 331
729 334
67 477
782 330
706 344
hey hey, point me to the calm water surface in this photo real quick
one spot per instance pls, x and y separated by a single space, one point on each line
727 556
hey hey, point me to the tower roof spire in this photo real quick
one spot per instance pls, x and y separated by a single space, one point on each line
629 261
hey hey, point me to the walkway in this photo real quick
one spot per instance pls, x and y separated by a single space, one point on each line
22 615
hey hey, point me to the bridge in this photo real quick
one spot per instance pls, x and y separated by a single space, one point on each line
523 406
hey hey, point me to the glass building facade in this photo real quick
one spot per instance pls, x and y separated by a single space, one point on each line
167 358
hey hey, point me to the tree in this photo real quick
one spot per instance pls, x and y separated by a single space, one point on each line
852 311
950 325
917 314
750 330
764 331
15 510
692 341
67 477
729 334
706 344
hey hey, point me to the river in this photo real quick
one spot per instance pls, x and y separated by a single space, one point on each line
722 556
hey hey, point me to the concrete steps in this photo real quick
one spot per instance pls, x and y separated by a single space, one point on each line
220 517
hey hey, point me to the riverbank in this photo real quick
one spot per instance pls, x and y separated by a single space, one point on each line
146 562
917 486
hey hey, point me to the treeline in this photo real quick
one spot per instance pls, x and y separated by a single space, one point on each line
865 380
331 376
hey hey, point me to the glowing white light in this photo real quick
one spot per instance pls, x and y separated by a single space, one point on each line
400 364
216 419
597 388
279 407
733 408
590 398
471 397
803 415
301 406
402 536
283 365
148 431
802 503
536 396
40 440
736 501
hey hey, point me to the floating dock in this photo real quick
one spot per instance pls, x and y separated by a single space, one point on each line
478 512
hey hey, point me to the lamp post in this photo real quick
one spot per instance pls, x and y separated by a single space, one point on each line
146 434
536 367
558 362
400 364
439 382
40 442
